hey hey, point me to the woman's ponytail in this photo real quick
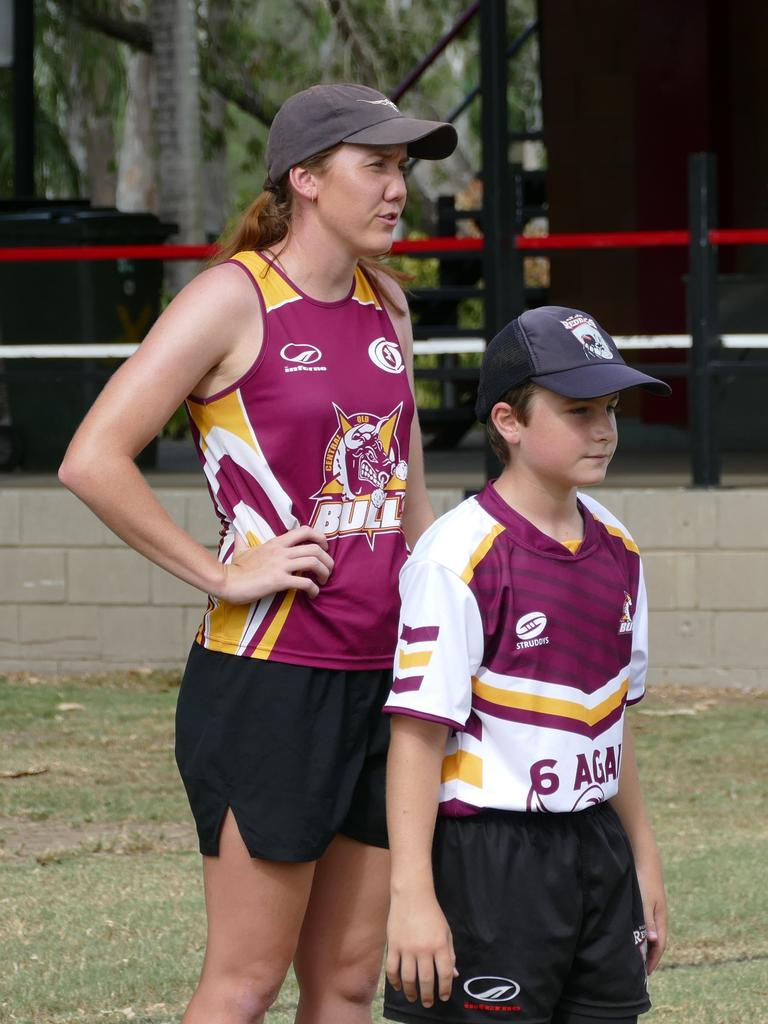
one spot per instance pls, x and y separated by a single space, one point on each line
264 223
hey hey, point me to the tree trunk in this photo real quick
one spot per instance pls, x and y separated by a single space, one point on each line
89 132
100 147
215 170
137 170
177 124
216 193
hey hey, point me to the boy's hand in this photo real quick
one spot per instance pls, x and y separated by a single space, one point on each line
631 809
420 946
654 911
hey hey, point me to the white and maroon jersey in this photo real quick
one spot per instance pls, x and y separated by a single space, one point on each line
315 433
529 652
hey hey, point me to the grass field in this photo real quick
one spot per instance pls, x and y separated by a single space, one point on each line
101 915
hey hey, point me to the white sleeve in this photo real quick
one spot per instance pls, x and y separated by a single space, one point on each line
440 645
638 665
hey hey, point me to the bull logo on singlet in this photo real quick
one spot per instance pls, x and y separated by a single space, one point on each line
364 477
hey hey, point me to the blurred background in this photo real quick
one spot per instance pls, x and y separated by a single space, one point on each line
611 157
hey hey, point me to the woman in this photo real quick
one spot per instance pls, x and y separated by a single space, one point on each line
292 355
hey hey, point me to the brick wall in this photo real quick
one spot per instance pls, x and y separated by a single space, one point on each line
74 599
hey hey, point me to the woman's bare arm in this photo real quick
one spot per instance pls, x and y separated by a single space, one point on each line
205 340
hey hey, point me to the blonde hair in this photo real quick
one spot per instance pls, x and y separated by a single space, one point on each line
267 221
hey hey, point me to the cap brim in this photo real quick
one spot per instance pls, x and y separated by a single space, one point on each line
600 379
426 140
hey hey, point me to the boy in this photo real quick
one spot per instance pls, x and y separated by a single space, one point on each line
522 638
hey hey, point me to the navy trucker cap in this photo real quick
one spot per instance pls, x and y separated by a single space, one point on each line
562 349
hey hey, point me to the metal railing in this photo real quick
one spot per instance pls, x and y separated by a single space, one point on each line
704 346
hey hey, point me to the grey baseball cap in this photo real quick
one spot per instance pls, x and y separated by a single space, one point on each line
325 115
562 349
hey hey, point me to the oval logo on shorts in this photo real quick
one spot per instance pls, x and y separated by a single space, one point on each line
295 353
531 625
386 355
492 990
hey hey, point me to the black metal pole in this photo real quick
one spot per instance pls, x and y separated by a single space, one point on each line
702 317
497 212
503 286
512 49
447 313
399 91
23 98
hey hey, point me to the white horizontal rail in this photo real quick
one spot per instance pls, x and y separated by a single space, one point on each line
430 346
92 351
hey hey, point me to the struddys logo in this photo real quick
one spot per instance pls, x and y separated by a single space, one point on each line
586 330
364 477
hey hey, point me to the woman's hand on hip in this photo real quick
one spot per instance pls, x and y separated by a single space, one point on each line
296 560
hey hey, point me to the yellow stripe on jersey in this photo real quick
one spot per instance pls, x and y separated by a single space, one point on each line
464 767
273 286
268 641
200 637
551 705
364 293
481 551
226 413
614 531
414 660
226 627
572 545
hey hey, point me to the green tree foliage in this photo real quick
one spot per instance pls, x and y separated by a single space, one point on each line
79 79
255 53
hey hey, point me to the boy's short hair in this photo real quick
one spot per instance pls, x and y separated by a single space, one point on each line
562 349
519 400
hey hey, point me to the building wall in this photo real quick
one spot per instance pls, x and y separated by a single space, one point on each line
74 599
629 91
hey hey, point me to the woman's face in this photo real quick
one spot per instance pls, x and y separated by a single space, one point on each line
360 196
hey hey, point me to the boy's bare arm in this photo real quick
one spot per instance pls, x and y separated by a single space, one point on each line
630 806
418 937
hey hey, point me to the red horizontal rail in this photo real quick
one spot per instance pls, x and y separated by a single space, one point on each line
604 240
739 236
46 253
441 244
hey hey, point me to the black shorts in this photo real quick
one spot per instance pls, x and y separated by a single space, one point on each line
297 753
546 917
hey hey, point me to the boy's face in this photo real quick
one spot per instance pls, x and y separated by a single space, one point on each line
567 442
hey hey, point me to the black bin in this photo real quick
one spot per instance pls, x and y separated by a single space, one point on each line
108 301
